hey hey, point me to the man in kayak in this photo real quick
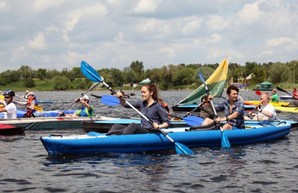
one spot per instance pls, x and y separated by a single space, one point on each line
233 110
274 97
10 108
265 110
150 107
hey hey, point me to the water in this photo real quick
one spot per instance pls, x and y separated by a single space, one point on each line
265 167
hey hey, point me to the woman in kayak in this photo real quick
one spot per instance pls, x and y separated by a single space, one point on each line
150 107
265 110
10 109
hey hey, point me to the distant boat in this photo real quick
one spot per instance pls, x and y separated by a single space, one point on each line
216 83
264 86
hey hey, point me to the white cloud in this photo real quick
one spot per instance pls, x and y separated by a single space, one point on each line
38 42
146 6
42 5
281 41
60 33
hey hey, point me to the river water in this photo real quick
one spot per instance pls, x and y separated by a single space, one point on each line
265 167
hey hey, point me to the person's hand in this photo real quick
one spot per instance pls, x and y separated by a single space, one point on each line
119 94
61 114
155 125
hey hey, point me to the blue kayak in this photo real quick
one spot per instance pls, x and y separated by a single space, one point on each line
103 126
94 142
53 113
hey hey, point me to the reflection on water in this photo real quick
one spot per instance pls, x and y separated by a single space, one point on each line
26 167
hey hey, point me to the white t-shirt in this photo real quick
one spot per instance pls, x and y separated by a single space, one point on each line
268 108
11 111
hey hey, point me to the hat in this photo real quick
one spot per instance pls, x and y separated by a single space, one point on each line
274 90
31 93
85 97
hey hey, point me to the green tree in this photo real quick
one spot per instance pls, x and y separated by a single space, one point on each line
61 83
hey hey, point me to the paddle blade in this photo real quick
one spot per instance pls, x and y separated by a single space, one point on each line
202 77
90 72
193 121
182 149
38 108
258 92
282 90
110 100
224 140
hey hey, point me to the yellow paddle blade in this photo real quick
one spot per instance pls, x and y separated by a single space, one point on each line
38 108
1 97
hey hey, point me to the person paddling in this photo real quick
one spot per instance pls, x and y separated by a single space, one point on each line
10 109
86 109
233 109
30 105
265 110
274 97
150 107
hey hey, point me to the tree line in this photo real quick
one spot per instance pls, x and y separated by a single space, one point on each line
168 76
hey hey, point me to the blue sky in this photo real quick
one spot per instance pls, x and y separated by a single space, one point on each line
57 34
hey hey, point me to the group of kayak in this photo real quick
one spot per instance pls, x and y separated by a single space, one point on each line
153 131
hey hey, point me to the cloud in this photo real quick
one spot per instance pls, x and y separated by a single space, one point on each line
61 33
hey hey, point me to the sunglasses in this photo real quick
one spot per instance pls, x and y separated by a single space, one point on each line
7 97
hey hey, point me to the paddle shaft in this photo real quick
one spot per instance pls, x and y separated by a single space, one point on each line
92 87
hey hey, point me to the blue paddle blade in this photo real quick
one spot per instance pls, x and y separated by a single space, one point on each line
193 121
182 149
224 140
90 72
202 77
110 100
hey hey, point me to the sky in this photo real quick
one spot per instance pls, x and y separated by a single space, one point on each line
59 34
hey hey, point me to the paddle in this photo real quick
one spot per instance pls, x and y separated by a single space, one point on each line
92 87
96 96
224 139
93 75
192 121
282 90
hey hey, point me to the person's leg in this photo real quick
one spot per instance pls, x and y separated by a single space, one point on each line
227 127
116 129
134 129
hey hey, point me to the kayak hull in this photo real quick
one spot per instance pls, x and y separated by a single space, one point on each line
103 126
100 143
6 129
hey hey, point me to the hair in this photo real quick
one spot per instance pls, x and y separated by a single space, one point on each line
152 88
232 87
266 94
204 98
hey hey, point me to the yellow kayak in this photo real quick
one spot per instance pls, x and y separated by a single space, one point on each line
287 109
275 104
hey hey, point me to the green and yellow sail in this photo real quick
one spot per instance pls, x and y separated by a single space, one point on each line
216 83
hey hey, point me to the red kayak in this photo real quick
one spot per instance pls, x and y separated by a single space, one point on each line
6 129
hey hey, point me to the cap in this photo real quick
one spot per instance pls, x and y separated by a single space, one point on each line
85 97
31 93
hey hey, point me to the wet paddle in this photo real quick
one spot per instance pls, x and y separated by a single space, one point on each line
93 75
224 138
192 121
